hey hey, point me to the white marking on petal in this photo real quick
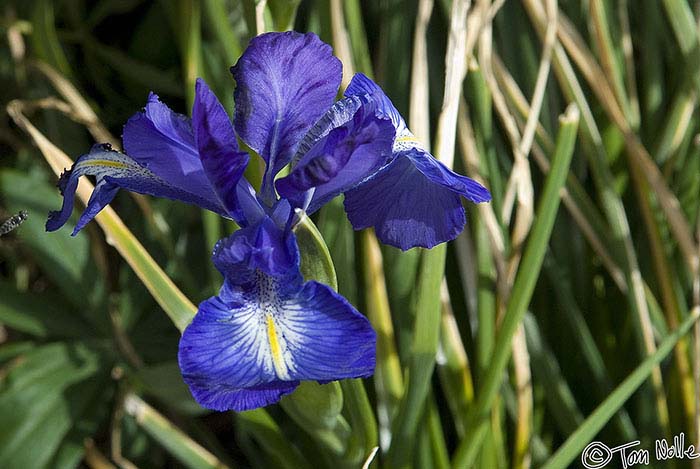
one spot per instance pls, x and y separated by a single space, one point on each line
271 336
405 140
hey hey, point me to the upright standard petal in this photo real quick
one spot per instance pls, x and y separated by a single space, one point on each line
163 142
284 83
115 170
223 162
361 85
341 158
267 330
414 201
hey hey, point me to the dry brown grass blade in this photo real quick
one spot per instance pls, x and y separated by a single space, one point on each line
628 51
419 116
523 392
470 156
514 93
477 19
519 186
82 112
341 40
260 6
455 71
521 177
542 76
638 154
388 380
94 458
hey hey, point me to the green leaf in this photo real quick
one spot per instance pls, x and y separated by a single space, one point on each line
40 400
164 381
63 258
186 450
259 424
316 263
283 13
317 409
45 39
39 314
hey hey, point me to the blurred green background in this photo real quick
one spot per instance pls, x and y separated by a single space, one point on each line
552 326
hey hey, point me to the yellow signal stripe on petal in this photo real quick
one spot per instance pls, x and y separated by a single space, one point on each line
407 138
110 163
276 350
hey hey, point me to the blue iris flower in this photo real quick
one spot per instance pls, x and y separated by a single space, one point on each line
268 329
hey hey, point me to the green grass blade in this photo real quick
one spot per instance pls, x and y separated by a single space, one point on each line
217 19
683 24
387 376
581 333
422 361
358 37
258 424
45 38
185 450
455 371
283 13
361 417
546 370
524 285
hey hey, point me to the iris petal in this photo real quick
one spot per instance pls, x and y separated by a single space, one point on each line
115 170
363 85
163 141
284 83
341 159
339 114
327 338
409 208
221 159
438 173
225 357
267 330
415 200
